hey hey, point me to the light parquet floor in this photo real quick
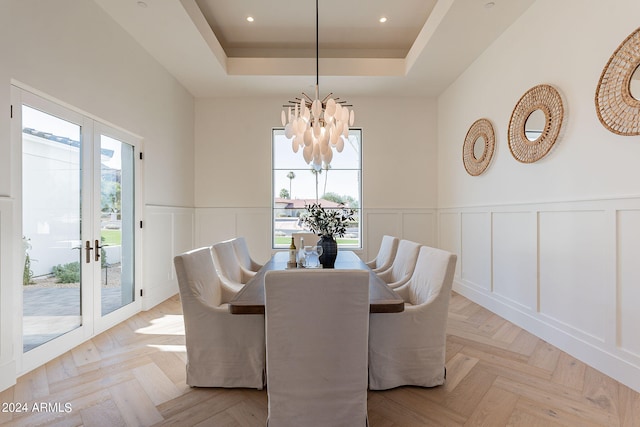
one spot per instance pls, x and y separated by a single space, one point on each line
497 375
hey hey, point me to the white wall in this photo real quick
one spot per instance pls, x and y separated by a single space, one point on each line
72 51
552 245
233 169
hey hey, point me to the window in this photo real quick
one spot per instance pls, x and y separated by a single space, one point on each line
296 184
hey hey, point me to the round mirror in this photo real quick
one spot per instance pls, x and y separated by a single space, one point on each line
618 105
478 147
634 84
534 125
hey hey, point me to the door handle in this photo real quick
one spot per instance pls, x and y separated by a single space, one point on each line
88 249
97 250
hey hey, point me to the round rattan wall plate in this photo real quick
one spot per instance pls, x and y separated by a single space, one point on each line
481 128
617 109
548 100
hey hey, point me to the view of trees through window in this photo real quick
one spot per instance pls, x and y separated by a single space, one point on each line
297 184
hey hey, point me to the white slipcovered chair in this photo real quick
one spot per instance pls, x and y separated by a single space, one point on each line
317 326
408 348
386 254
310 239
223 350
244 257
232 276
403 264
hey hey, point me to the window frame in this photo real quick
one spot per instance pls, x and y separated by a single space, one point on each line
274 192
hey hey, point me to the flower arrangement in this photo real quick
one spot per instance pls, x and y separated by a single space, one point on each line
327 222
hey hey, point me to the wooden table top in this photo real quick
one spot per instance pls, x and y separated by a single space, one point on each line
250 300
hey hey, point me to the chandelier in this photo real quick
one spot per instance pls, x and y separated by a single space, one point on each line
317 126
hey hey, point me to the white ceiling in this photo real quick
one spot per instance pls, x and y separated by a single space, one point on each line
210 47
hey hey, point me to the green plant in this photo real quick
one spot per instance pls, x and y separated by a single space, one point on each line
27 274
327 222
67 273
103 253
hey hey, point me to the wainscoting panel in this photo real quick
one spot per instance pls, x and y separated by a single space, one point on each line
476 249
572 252
7 285
449 235
168 232
515 246
378 224
421 226
566 271
628 269
418 225
218 224
256 223
214 225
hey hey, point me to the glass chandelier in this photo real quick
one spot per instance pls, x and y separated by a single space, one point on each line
317 126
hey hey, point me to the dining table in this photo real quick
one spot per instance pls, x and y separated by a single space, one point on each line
250 299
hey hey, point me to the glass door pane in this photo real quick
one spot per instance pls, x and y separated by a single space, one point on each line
52 237
116 224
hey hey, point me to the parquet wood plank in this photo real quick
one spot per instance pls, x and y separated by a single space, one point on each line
459 366
526 419
426 402
468 394
525 343
401 415
191 398
61 368
545 356
497 374
136 408
33 386
494 409
248 413
569 372
628 406
158 386
86 353
502 362
218 402
554 415
507 333
221 419
171 365
104 413
601 391
578 407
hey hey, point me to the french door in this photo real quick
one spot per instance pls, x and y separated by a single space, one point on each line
78 198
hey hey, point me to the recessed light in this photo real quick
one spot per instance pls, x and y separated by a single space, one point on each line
489 5
382 20
142 4
250 18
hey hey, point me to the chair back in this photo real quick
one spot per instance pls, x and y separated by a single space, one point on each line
242 253
197 277
310 239
432 276
317 328
386 253
226 261
405 260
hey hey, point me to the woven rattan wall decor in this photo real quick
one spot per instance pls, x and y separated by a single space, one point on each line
548 100
481 130
617 109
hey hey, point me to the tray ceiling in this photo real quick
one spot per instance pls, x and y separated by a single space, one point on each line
211 48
